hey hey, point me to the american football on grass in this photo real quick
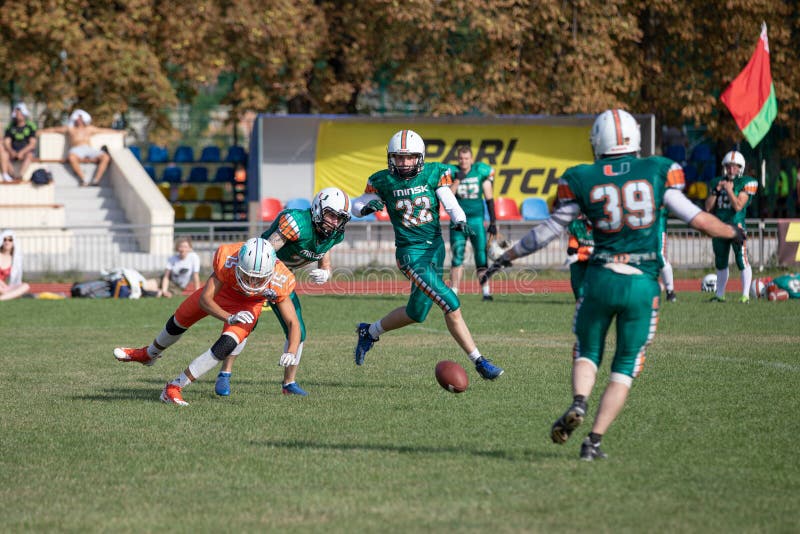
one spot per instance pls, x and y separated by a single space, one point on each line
451 376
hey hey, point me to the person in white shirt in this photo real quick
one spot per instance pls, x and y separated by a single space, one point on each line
182 268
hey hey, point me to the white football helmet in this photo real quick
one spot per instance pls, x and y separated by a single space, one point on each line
615 132
330 211
758 288
406 142
733 158
709 284
256 265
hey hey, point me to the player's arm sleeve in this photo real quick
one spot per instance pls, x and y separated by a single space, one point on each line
450 204
551 228
680 206
360 202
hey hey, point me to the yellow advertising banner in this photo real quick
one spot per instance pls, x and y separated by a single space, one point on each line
528 159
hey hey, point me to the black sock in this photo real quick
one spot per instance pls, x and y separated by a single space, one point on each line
595 438
579 398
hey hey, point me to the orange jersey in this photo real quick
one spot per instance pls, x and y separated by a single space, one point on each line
227 258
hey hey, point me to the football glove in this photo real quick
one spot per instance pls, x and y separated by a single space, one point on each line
287 359
464 228
492 229
372 206
319 276
496 267
740 236
241 317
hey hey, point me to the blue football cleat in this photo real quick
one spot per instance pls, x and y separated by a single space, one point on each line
293 389
487 370
365 342
223 385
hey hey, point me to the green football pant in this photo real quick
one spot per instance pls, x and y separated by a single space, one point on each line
424 269
577 272
633 300
299 310
722 253
458 243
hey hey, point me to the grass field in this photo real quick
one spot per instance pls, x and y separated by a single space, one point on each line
707 442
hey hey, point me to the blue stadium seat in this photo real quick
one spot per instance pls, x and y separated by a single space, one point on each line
690 172
702 152
236 154
149 169
298 204
709 170
183 154
157 154
535 209
198 174
172 174
676 153
136 151
224 174
210 154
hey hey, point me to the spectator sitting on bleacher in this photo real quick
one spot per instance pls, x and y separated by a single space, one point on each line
11 284
20 140
79 131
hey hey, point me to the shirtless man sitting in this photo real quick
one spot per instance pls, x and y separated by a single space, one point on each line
79 131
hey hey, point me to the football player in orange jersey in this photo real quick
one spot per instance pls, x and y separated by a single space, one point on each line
245 275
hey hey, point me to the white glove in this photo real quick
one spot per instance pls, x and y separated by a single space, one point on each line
319 276
287 359
241 317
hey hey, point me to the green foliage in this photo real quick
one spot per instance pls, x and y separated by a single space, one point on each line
706 442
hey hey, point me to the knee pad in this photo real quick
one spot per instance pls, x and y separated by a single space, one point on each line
173 328
223 347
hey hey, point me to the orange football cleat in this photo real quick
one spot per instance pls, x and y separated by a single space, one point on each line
125 354
172 395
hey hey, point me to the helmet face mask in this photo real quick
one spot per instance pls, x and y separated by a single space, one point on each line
729 163
330 211
615 132
405 143
255 266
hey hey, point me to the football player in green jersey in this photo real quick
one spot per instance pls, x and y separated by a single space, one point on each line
728 198
472 185
300 237
412 190
621 194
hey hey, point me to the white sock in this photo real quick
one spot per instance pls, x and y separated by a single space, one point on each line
182 381
747 279
376 329
163 339
666 274
722 281
486 290
474 356
455 290
199 366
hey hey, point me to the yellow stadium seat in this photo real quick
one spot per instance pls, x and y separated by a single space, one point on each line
166 190
180 212
187 193
213 193
203 212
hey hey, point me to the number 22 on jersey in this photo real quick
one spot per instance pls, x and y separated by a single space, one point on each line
415 212
631 205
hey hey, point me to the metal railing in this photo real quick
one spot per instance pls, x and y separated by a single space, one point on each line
366 244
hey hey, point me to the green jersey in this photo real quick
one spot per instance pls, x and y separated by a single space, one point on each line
470 187
622 197
412 204
303 244
723 209
789 282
